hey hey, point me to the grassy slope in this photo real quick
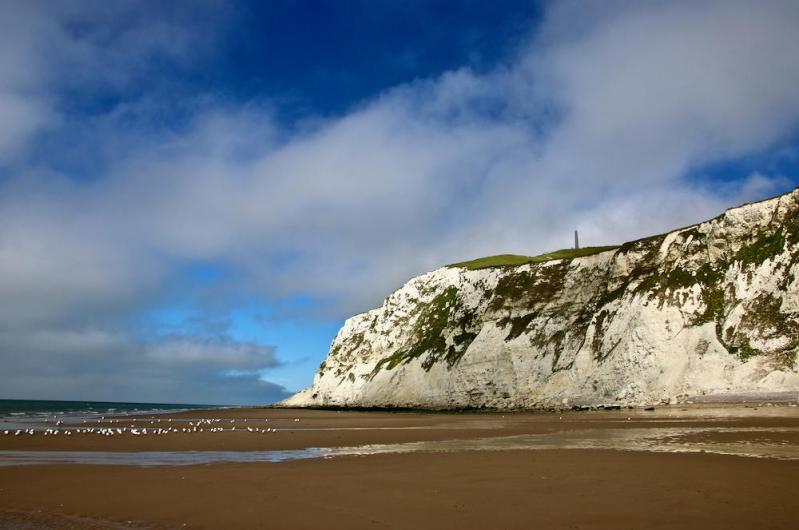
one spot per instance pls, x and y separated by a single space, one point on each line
514 260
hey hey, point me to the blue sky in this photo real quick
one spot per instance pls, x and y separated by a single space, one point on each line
193 197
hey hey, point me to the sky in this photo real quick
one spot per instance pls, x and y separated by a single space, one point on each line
195 195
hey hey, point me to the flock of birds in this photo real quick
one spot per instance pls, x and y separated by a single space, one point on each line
107 428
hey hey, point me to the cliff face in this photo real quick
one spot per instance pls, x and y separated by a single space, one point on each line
711 308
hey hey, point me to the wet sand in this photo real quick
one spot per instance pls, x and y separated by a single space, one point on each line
551 488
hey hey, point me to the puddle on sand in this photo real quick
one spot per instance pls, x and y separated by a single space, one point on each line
153 458
735 441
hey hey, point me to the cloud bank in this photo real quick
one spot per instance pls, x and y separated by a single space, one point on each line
605 119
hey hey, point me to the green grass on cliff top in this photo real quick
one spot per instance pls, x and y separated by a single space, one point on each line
514 260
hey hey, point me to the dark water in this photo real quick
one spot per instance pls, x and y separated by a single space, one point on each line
25 408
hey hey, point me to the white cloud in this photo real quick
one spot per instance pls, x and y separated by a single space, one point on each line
593 126
52 46
222 354
678 83
94 363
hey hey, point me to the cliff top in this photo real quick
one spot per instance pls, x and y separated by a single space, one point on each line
514 260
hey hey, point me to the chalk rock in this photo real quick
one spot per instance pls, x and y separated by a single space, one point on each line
705 310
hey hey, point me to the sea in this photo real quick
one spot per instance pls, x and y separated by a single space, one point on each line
13 411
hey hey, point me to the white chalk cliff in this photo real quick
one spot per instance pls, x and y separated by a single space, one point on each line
708 309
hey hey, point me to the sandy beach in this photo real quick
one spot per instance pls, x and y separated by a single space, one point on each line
613 483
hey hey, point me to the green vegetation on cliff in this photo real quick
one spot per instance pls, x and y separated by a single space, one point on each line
443 313
514 260
695 270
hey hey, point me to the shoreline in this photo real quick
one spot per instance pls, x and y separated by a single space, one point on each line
267 428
